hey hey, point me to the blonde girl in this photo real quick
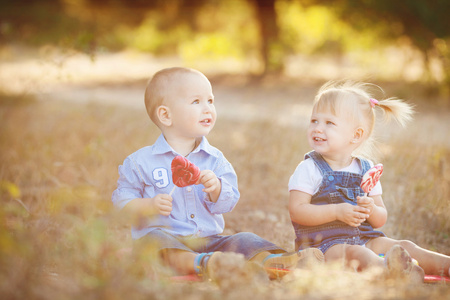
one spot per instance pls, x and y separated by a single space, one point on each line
328 208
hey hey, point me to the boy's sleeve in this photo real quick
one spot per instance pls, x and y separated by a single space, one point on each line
229 195
129 185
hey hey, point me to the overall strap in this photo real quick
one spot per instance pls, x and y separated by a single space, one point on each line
364 163
319 161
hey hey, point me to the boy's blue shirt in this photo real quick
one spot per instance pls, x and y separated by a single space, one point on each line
147 172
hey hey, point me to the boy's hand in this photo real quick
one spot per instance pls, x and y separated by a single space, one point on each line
211 183
366 202
351 214
163 204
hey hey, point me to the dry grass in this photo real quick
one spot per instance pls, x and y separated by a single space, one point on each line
60 236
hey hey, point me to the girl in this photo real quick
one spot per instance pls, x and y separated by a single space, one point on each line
328 208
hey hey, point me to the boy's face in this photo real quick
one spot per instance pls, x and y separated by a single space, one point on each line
191 105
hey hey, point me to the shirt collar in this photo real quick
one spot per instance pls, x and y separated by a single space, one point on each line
161 147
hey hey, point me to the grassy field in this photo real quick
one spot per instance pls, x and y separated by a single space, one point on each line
60 237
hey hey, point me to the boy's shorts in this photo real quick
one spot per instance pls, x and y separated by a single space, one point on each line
246 243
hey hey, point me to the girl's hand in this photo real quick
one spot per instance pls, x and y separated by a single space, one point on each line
162 203
366 202
211 183
351 214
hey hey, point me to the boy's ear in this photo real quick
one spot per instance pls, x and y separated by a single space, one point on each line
358 135
164 116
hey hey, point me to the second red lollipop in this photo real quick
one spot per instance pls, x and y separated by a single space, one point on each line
371 178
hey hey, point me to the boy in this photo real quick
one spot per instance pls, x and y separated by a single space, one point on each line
187 225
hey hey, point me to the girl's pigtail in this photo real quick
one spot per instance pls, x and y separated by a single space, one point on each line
401 111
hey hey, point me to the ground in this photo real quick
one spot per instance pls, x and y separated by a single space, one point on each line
67 126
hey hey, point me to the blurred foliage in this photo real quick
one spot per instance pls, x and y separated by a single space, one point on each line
265 31
423 23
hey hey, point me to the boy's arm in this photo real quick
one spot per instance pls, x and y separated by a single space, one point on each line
160 204
129 195
129 185
212 184
224 194
130 190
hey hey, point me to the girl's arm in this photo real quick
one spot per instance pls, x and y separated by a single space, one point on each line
304 213
377 210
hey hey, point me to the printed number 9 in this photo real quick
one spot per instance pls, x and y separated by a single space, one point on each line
161 177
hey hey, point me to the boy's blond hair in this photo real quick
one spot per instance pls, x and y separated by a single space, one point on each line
158 87
356 102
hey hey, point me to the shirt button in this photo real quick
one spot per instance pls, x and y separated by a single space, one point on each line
189 188
331 178
192 216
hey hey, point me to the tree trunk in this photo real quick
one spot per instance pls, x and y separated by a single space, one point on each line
269 49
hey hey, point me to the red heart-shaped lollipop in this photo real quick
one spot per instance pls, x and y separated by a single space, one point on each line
371 177
184 172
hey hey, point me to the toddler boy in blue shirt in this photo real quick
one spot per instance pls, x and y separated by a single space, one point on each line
187 226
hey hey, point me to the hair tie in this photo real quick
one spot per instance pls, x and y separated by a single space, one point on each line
373 102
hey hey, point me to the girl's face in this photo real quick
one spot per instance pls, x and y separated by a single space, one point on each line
331 135
192 107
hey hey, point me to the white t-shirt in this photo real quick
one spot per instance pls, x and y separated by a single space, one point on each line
307 177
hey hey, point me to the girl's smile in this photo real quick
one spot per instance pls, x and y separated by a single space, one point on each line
331 135
318 139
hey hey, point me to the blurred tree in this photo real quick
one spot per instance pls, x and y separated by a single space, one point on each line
89 25
270 49
187 11
425 23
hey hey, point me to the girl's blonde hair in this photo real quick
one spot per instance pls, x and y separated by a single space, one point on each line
356 101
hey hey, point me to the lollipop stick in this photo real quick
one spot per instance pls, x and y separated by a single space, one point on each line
171 192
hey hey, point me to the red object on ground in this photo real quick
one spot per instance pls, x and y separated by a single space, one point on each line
184 172
283 272
125 253
436 279
371 178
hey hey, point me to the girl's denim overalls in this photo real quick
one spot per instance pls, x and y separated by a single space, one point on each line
336 187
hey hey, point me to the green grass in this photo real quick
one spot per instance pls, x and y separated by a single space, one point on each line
60 237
